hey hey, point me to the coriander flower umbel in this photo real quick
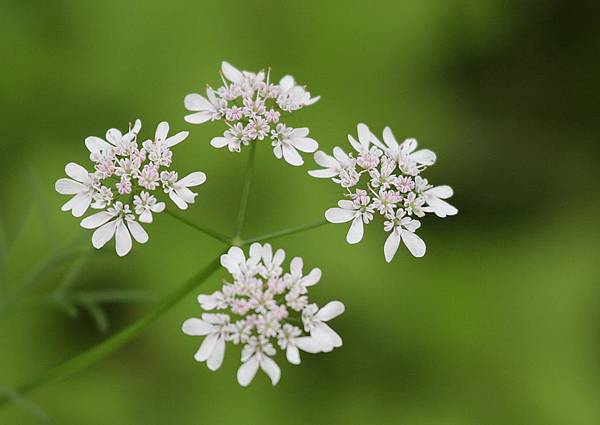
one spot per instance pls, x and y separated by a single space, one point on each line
384 178
124 184
252 108
263 308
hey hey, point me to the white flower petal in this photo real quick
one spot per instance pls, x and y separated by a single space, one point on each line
270 368
215 360
292 354
308 344
197 327
198 117
305 144
391 245
161 131
79 204
330 311
178 200
207 347
355 233
77 172
424 157
193 179
291 155
389 139
231 72
196 102
443 192
414 243
103 234
339 215
137 231
68 186
122 239
96 220
247 371
219 142
176 138
312 278
96 144
323 174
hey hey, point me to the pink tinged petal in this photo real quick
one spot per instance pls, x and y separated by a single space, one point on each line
389 139
103 234
96 144
355 234
207 302
330 311
231 72
219 142
312 278
96 220
323 174
161 131
305 144
77 172
391 245
308 344
137 231
207 347
196 102
270 368
177 200
215 360
68 187
198 117
292 354
193 179
414 243
122 239
247 371
177 138
339 215
443 192
197 327
291 155
424 157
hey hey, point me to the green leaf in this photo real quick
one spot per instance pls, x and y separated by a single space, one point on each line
97 314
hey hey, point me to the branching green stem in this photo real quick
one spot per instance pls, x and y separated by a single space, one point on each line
116 341
285 232
207 231
245 193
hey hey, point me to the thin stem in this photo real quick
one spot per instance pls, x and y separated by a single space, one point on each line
116 341
245 191
285 232
207 231
3 262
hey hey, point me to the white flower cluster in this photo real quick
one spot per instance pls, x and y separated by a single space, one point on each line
122 184
251 107
263 308
384 178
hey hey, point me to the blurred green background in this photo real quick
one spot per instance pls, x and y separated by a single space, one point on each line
498 324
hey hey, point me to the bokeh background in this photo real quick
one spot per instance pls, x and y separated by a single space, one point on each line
498 324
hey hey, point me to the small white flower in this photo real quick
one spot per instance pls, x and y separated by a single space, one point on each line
178 190
435 196
117 222
334 165
209 108
292 96
215 328
268 305
115 140
81 184
288 141
145 205
403 229
405 154
358 212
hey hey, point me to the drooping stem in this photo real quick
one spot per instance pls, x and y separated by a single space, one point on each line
285 232
116 341
249 173
207 231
